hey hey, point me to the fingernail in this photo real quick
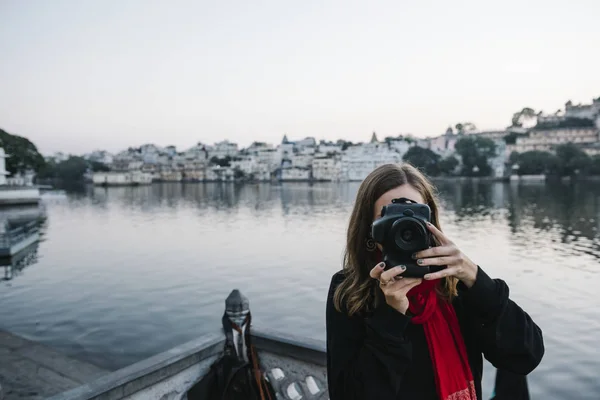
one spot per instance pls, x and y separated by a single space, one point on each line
427 277
414 256
403 267
381 264
419 262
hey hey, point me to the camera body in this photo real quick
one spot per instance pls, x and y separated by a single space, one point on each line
401 231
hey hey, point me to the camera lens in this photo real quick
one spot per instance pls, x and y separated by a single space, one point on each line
409 234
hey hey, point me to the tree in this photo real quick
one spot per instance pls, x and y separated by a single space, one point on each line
221 162
594 168
448 165
572 159
345 144
527 114
535 162
513 158
423 159
463 127
72 169
475 153
238 173
23 155
512 137
98 166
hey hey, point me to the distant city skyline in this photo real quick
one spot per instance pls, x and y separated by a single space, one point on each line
78 77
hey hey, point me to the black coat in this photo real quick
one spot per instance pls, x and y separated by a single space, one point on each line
383 356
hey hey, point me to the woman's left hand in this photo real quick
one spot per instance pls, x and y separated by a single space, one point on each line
458 264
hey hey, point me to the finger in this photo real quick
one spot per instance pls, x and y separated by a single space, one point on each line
441 274
407 288
377 270
447 260
392 272
443 239
437 251
396 285
401 286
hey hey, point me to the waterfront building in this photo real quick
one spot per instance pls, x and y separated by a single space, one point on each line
294 173
358 161
326 168
223 149
329 148
3 172
579 124
547 135
122 178
444 145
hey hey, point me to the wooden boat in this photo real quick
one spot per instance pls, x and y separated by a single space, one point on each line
294 366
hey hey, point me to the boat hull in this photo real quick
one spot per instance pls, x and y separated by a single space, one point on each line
294 366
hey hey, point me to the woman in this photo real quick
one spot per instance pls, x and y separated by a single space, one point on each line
390 337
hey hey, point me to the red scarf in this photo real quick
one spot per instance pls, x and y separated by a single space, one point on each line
453 376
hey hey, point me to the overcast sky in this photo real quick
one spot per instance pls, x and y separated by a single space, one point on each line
81 75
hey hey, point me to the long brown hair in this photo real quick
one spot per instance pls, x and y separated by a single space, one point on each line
357 292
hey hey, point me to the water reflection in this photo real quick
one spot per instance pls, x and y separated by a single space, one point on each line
156 262
23 227
572 210
14 266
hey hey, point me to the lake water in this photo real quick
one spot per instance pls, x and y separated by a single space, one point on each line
124 273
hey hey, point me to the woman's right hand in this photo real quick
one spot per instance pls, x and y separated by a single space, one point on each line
394 286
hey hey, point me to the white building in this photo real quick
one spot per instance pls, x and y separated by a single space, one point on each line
295 174
219 174
585 111
329 148
149 149
285 149
270 157
445 144
494 135
579 111
423 142
194 174
224 149
262 172
326 169
3 172
400 146
197 152
359 161
306 151
246 164
129 178
135 165
498 163
545 138
171 176
301 160
100 156
170 151
257 147
306 142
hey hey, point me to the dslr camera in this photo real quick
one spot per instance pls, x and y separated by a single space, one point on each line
402 231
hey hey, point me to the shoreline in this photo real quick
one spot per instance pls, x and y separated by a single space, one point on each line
487 179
